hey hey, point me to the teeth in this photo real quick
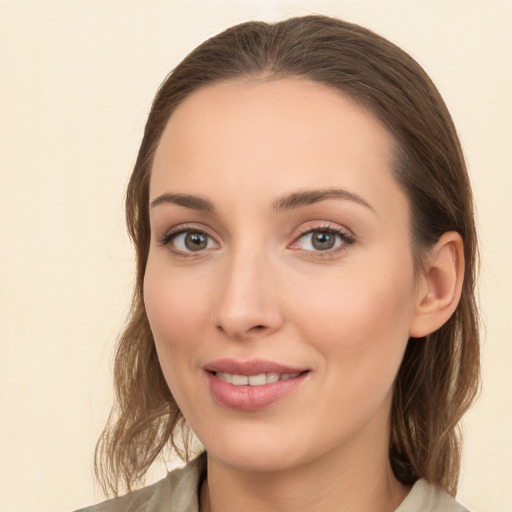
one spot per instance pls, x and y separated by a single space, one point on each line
226 377
272 377
240 380
254 380
257 380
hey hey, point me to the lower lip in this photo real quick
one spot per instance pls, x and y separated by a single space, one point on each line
252 398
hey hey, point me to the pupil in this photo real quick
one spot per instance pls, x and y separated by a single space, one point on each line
195 241
323 240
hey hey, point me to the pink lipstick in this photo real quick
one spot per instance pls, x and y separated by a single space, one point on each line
252 385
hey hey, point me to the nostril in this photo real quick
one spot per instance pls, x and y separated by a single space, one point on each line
257 329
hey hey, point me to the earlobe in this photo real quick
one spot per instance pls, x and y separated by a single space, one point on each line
440 290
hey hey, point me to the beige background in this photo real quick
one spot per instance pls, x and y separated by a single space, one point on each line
76 82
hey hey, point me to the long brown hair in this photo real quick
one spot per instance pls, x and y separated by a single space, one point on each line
439 375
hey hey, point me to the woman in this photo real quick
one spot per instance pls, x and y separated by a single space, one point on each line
306 257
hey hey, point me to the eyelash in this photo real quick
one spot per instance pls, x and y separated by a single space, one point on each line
344 237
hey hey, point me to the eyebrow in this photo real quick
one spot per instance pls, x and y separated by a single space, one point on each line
186 200
288 202
308 197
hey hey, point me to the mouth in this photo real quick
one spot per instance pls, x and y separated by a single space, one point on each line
259 379
252 385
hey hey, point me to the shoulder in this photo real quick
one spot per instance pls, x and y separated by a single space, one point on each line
178 491
426 497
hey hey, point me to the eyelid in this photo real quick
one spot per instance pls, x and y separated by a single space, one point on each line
319 225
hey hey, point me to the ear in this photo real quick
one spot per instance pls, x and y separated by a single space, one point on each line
440 285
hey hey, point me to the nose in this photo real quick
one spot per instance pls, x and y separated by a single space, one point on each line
247 305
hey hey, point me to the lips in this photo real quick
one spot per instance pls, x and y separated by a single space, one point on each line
252 385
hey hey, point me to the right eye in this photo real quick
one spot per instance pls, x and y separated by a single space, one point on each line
189 241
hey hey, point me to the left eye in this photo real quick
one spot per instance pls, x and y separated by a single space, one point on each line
321 240
192 241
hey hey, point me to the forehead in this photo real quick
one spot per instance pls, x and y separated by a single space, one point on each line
272 134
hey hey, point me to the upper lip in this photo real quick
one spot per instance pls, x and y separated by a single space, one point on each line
251 367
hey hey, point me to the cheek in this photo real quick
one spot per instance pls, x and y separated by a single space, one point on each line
175 305
361 333
177 313
363 328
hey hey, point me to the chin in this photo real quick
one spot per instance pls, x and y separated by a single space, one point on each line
257 452
257 460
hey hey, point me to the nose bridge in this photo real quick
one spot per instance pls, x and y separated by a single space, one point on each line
247 303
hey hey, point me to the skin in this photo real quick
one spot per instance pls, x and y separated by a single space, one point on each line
260 289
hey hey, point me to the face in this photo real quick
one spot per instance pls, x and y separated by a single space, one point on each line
280 284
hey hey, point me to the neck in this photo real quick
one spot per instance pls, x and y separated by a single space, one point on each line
347 481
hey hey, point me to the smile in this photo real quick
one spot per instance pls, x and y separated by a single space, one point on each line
252 385
254 380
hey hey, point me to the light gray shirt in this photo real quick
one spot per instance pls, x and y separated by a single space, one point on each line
179 492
